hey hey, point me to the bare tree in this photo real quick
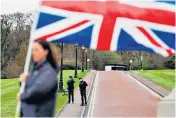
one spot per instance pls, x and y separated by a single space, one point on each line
13 32
5 31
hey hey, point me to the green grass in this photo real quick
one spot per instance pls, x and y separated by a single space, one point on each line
164 78
10 88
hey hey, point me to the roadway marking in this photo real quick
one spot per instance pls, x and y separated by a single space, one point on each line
92 101
91 87
96 81
145 87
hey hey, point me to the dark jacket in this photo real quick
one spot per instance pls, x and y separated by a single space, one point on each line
70 84
39 97
82 85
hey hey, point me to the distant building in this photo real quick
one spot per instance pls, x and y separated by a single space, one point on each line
113 67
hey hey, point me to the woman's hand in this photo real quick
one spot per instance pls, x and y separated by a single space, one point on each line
19 96
23 77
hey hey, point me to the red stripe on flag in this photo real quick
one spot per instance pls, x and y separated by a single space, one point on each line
115 9
149 36
59 32
153 41
105 34
169 52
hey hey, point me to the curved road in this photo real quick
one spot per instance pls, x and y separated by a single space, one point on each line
116 94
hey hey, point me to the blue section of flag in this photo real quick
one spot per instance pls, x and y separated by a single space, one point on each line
166 37
126 42
82 38
45 19
167 1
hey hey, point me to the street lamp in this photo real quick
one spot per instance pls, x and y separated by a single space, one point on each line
76 64
131 61
86 59
61 70
141 62
83 59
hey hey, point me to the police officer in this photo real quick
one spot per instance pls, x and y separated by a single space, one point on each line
70 84
82 86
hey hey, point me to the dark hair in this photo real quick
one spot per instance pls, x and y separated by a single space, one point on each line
50 57
70 77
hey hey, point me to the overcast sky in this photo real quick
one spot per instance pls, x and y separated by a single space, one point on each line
11 6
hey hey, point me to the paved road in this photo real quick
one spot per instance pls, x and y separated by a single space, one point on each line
116 94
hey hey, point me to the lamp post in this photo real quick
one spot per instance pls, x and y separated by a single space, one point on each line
76 64
82 59
131 63
141 61
86 59
61 69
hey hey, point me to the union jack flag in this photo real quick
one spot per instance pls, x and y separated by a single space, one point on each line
147 25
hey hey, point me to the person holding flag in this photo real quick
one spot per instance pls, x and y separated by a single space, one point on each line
39 96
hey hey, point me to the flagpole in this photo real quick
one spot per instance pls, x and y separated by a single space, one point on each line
28 59
26 69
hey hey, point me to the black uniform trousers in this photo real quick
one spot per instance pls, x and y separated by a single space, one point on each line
71 95
83 97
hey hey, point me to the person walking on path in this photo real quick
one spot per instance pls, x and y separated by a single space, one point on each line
40 93
70 84
82 86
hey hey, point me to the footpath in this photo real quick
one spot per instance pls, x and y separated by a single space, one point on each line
75 110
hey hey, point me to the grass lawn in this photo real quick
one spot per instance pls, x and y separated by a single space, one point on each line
164 78
9 89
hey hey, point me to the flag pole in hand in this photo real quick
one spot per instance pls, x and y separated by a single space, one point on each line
26 69
28 59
